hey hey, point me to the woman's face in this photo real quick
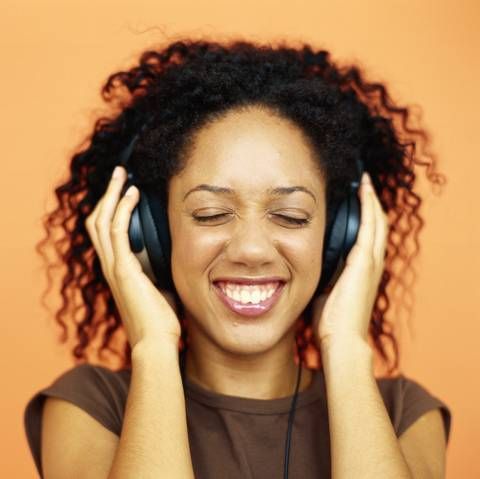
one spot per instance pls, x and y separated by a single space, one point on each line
250 153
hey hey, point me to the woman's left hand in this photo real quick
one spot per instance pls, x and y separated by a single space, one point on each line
344 313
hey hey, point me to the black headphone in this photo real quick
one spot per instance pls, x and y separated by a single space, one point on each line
149 238
149 234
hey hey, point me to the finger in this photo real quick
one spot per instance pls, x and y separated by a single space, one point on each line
381 230
106 213
91 229
366 233
124 259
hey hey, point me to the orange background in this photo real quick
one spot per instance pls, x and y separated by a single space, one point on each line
56 55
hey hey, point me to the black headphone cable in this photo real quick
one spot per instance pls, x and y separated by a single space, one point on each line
291 416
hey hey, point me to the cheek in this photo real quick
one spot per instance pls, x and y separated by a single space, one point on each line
304 256
303 252
192 253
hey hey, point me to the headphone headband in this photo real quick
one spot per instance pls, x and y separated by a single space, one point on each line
127 151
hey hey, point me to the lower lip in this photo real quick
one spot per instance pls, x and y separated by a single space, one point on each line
250 309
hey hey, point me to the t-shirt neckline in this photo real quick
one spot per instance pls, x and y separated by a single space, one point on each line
312 393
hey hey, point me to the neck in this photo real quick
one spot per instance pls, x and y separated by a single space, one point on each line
268 376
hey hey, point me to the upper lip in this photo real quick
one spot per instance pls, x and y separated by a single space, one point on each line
246 280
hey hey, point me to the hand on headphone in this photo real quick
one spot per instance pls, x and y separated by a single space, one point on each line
147 314
343 314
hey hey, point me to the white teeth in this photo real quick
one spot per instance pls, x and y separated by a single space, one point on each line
255 296
236 295
245 296
248 294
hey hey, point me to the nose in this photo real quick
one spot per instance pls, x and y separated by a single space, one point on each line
251 244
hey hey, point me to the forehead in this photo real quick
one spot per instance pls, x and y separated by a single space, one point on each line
250 151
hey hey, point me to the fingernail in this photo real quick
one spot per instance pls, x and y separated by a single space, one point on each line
130 191
366 177
117 172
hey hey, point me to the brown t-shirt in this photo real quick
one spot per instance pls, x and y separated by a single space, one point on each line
231 436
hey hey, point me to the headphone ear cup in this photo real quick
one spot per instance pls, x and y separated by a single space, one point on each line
137 244
339 240
149 239
154 219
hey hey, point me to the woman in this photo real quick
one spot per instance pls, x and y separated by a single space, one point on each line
248 152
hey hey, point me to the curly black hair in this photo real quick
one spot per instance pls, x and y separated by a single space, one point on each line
189 83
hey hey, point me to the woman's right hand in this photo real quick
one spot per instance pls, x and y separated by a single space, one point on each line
148 315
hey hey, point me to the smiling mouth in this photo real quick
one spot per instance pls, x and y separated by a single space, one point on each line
249 301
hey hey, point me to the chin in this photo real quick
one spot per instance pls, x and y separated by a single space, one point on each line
246 339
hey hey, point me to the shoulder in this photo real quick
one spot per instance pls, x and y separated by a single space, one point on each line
406 400
97 390
91 387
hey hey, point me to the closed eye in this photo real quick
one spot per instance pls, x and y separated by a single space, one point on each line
296 221
209 218
288 219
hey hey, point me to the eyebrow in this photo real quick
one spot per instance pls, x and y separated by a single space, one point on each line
280 190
